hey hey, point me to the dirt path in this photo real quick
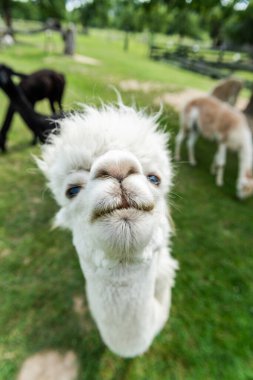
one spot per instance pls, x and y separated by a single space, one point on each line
86 60
50 365
178 99
175 99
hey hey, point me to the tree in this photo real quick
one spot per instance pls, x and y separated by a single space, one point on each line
94 13
6 10
68 36
184 23
239 28
155 16
51 9
26 10
215 14
126 18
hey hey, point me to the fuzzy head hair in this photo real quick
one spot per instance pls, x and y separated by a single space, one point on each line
110 172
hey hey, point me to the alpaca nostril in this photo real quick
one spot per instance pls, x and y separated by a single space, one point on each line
133 170
119 172
115 165
102 173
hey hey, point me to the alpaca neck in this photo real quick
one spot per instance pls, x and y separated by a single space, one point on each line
33 120
102 273
98 260
95 258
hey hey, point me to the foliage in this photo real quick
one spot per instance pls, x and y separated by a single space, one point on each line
183 17
94 13
5 9
155 17
125 16
239 27
26 11
51 9
184 23
33 9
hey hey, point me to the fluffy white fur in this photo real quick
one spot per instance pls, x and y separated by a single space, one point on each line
119 219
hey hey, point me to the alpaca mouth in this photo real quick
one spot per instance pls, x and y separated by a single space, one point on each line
123 210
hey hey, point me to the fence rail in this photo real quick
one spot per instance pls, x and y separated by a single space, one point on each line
214 63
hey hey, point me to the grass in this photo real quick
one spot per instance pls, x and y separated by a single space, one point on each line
209 334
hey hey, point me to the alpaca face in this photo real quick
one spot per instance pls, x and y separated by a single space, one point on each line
111 178
118 203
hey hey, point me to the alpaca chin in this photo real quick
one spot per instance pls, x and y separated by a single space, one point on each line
124 234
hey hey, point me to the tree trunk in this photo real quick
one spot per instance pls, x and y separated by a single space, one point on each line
150 42
69 41
7 18
86 30
126 41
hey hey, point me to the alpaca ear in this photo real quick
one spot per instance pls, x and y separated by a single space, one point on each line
61 219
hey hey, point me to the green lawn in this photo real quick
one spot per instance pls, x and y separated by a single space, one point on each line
209 334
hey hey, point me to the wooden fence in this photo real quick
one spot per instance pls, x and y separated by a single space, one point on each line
214 63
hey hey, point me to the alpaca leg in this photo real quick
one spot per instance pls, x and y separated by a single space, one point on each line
35 137
213 168
51 102
6 126
59 101
191 144
220 163
179 139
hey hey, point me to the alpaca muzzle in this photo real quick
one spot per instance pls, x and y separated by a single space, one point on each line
120 169
125 205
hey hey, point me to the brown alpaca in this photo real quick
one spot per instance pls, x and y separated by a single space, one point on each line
218 121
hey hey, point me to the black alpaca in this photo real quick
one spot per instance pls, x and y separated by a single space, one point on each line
43 84
39 85
40 125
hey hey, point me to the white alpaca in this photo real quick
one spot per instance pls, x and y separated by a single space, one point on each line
218 121
110 172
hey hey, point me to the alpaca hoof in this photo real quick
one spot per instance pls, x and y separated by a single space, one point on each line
3 149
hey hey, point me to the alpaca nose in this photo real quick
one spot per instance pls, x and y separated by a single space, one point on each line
116 164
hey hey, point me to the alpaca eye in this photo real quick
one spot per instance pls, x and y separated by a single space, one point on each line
73 190
154 179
